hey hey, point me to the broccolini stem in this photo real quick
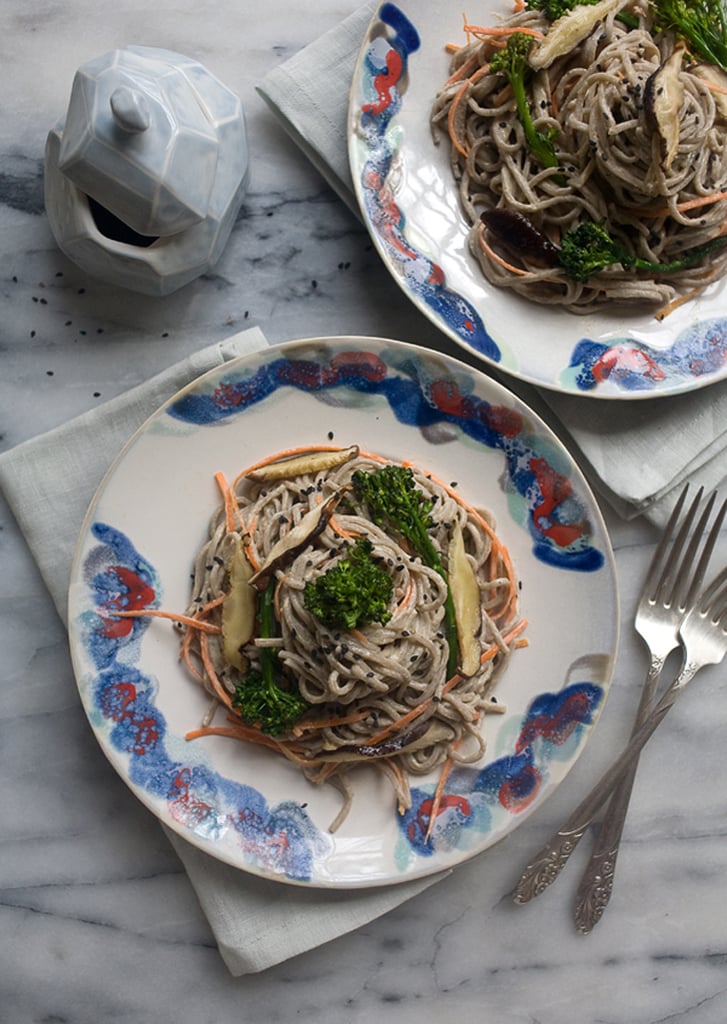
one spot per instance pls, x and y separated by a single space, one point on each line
539 144
267 629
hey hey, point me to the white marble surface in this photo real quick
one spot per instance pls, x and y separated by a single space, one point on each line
99 922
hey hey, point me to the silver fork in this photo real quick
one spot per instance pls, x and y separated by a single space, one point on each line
703 635
671 582
665 599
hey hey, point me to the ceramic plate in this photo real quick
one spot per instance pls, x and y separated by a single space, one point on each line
249 806
410 205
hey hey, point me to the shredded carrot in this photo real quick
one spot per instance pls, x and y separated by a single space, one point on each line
455 104
184 620
679 301
439 793
495 257
688 204
185 655
358 635
247 544
324 772
314 725
713 87
694 204
232 511
221 693
490 653
406 598
234 732
419 709
464 70
499 31
337 528
396 771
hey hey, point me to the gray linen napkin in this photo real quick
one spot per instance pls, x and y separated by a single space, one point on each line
637 454
49 482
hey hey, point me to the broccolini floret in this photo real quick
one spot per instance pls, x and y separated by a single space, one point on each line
512 61
554 9
355 592
258 698
589 248
397 505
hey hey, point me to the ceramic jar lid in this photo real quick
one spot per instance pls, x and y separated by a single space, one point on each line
141 137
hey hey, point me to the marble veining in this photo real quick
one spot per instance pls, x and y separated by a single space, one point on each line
98 920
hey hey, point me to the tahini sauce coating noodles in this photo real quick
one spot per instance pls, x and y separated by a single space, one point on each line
379 694
612 164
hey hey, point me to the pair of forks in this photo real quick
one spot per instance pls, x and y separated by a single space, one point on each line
672 612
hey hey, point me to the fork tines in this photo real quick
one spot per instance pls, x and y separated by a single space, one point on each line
671 588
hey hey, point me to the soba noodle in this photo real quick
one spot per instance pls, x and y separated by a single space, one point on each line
611 168
388 684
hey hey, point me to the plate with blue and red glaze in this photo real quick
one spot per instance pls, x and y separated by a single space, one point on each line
410 204
247 805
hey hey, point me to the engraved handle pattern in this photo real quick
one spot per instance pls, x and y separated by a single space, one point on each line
547 865
545 868
593 897
596 885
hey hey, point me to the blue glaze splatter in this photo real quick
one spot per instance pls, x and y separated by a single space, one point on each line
547 506
279 839
385 67
550 729
698 351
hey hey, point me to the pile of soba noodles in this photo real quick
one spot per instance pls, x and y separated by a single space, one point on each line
381 693
615 166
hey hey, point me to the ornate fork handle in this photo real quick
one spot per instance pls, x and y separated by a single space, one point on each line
596 885
548 863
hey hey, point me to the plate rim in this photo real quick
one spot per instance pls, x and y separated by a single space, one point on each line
512 399
555 387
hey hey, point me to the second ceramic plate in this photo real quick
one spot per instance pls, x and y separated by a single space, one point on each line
409 202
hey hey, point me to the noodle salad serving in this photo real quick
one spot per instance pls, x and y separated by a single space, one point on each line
348 610
589 144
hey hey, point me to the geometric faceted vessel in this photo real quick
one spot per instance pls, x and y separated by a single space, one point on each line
146 175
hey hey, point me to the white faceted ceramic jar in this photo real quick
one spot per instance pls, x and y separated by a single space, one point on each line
146 175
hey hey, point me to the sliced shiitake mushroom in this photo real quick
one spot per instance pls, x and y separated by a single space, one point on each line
238 610
571 29
297 465
467 604
513 230
663 98
419 737
310 526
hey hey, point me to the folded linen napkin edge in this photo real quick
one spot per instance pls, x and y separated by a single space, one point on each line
49 482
